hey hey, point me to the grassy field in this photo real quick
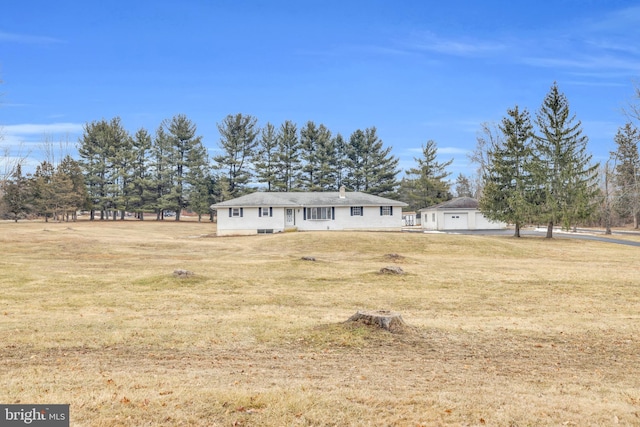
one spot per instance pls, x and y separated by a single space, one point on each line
503 331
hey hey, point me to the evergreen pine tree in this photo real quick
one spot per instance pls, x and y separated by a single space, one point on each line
16 195
162 172
265 160
187 153
288 158
238 143
93 152
369 167
142 195
509 189
319 171
426 185
564 175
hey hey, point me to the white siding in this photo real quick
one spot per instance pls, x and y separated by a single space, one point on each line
369 220
251 222
482 223
429 220
471 219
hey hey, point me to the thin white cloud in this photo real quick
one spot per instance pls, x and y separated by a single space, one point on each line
622 21
452 150
40 129
591 62
455 47
32 137
600 45
27 38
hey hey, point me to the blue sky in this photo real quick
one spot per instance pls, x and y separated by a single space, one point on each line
416 70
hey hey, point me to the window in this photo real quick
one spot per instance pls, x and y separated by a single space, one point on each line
235 212
356 211
265 212
318 213
386 210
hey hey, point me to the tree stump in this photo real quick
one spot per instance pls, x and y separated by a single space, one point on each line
383 319
183 273
391 269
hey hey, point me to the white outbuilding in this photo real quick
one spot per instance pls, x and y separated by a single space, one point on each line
461 213
273 212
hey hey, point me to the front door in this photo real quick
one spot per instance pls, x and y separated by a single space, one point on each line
289 218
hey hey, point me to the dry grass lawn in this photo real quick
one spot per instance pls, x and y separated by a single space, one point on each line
504 331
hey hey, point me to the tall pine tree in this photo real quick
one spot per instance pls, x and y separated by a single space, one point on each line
369 167
238 144
266 157
188 154
509 189
289 162
565 177
426 184
319 157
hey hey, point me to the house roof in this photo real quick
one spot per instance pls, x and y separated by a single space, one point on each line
303 199
457 203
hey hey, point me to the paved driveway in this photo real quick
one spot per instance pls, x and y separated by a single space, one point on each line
584 234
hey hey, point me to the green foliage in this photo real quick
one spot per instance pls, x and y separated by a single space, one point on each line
142 194
106 154
319 172
188 162
15 195
289 164
426 184
368 166
265 160
238 143
509 186
565 177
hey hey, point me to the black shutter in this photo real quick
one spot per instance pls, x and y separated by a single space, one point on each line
361 210
270 211
304 214
333 213
380 210
230 214
259 212
240 212
391 210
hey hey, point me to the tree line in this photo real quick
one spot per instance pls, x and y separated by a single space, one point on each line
530 171
543 174
117 173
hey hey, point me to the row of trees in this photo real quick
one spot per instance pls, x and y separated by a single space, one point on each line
309 159
51 191
540 177
526 175
171 171
546 176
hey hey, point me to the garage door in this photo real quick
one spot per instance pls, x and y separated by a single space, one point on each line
456 221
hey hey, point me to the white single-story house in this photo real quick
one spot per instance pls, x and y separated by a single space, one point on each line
461 213
273 212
